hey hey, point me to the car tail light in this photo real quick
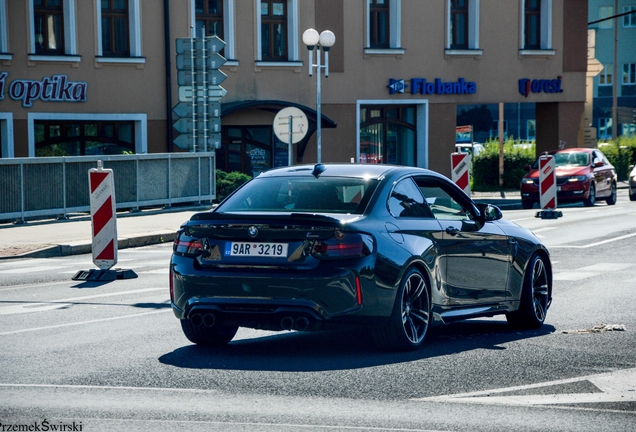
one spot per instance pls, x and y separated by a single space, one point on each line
358 290
343 246
186 245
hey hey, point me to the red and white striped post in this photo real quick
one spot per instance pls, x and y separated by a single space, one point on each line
103 216
547 182
460 164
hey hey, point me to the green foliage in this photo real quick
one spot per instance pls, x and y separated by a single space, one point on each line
486 165
621 153
226 183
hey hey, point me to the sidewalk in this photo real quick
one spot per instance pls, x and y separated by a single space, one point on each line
51 238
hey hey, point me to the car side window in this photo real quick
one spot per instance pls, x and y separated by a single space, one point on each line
441 200
406 201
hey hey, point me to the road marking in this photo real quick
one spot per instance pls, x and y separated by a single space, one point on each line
57 304
19 287
544 229
589 271
83 322
29 270
597 243
617 386
573 275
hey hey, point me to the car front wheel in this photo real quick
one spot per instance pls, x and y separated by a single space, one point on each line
535 296
409 321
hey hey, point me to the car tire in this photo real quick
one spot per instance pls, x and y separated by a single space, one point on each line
591 199
612 198
632 197
410 318
208 336
527 205
535 296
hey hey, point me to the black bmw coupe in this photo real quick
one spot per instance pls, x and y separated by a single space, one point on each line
389 248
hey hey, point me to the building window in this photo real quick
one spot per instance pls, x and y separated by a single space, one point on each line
209 14
80 138
379 24
249 149
4 46
536 33
115 36
274 30
48 20
494 129
605 77
531 129
532 24
459 24
387 134
629 130
606 12
629 73
630 19
605 127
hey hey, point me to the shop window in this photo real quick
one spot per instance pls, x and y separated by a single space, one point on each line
80 138
606 12
629 130
119 29
387 135
250 150
537 25
629 20
605 127
383 25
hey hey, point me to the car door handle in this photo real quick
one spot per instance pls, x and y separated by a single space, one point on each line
452 231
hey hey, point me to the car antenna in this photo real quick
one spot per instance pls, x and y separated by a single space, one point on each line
318 169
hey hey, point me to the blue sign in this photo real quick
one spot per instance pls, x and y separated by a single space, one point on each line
527 86
421 86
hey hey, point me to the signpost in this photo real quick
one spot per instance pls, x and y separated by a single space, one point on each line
290 125
199 78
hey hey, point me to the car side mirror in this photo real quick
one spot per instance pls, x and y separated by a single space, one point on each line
598 164
489 212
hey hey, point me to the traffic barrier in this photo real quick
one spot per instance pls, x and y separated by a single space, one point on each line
103 216
460 164
547 188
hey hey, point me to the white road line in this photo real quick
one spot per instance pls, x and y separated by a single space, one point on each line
19 287
573 275
544 229
595 244
57 304
617 386
83 322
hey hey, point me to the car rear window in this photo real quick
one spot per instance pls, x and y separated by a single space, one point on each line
294 194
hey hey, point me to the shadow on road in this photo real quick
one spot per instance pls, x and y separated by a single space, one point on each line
352 349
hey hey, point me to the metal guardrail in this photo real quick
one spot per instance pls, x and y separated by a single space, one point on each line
57 186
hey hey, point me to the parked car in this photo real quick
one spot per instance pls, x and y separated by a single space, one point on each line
632 183
582 174
473 149
389 248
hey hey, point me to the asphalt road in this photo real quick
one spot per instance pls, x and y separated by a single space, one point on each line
111 356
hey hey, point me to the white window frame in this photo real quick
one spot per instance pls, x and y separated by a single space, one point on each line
70 35
6 135
421 124
627 74
293 37
629 21
604 12
473 30
608 70
134 30
604 127
4 41
395 30
546 30
229 29
140 122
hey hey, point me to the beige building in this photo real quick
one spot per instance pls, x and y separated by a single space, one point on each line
92 76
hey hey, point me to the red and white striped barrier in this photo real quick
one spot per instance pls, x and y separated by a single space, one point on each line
460 164
103 216
547 182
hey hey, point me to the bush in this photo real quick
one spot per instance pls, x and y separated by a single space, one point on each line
226 183
621 153
486 165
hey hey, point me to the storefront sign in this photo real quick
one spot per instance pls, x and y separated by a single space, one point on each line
51 89
527 86
421 86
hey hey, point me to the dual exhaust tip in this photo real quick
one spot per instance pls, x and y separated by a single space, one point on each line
286 323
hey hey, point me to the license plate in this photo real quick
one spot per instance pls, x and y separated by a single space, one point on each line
273 250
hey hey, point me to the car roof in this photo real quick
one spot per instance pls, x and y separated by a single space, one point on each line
374 171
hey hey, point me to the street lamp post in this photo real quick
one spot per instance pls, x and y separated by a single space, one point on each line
312 39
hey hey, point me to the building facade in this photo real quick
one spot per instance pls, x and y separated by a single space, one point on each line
619 63
99 76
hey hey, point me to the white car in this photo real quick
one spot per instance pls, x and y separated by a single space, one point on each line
474 148
632 183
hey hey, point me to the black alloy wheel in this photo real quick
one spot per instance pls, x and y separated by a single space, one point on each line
410 319
591 199
535 296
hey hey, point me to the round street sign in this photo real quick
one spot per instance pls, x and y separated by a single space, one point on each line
299 124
